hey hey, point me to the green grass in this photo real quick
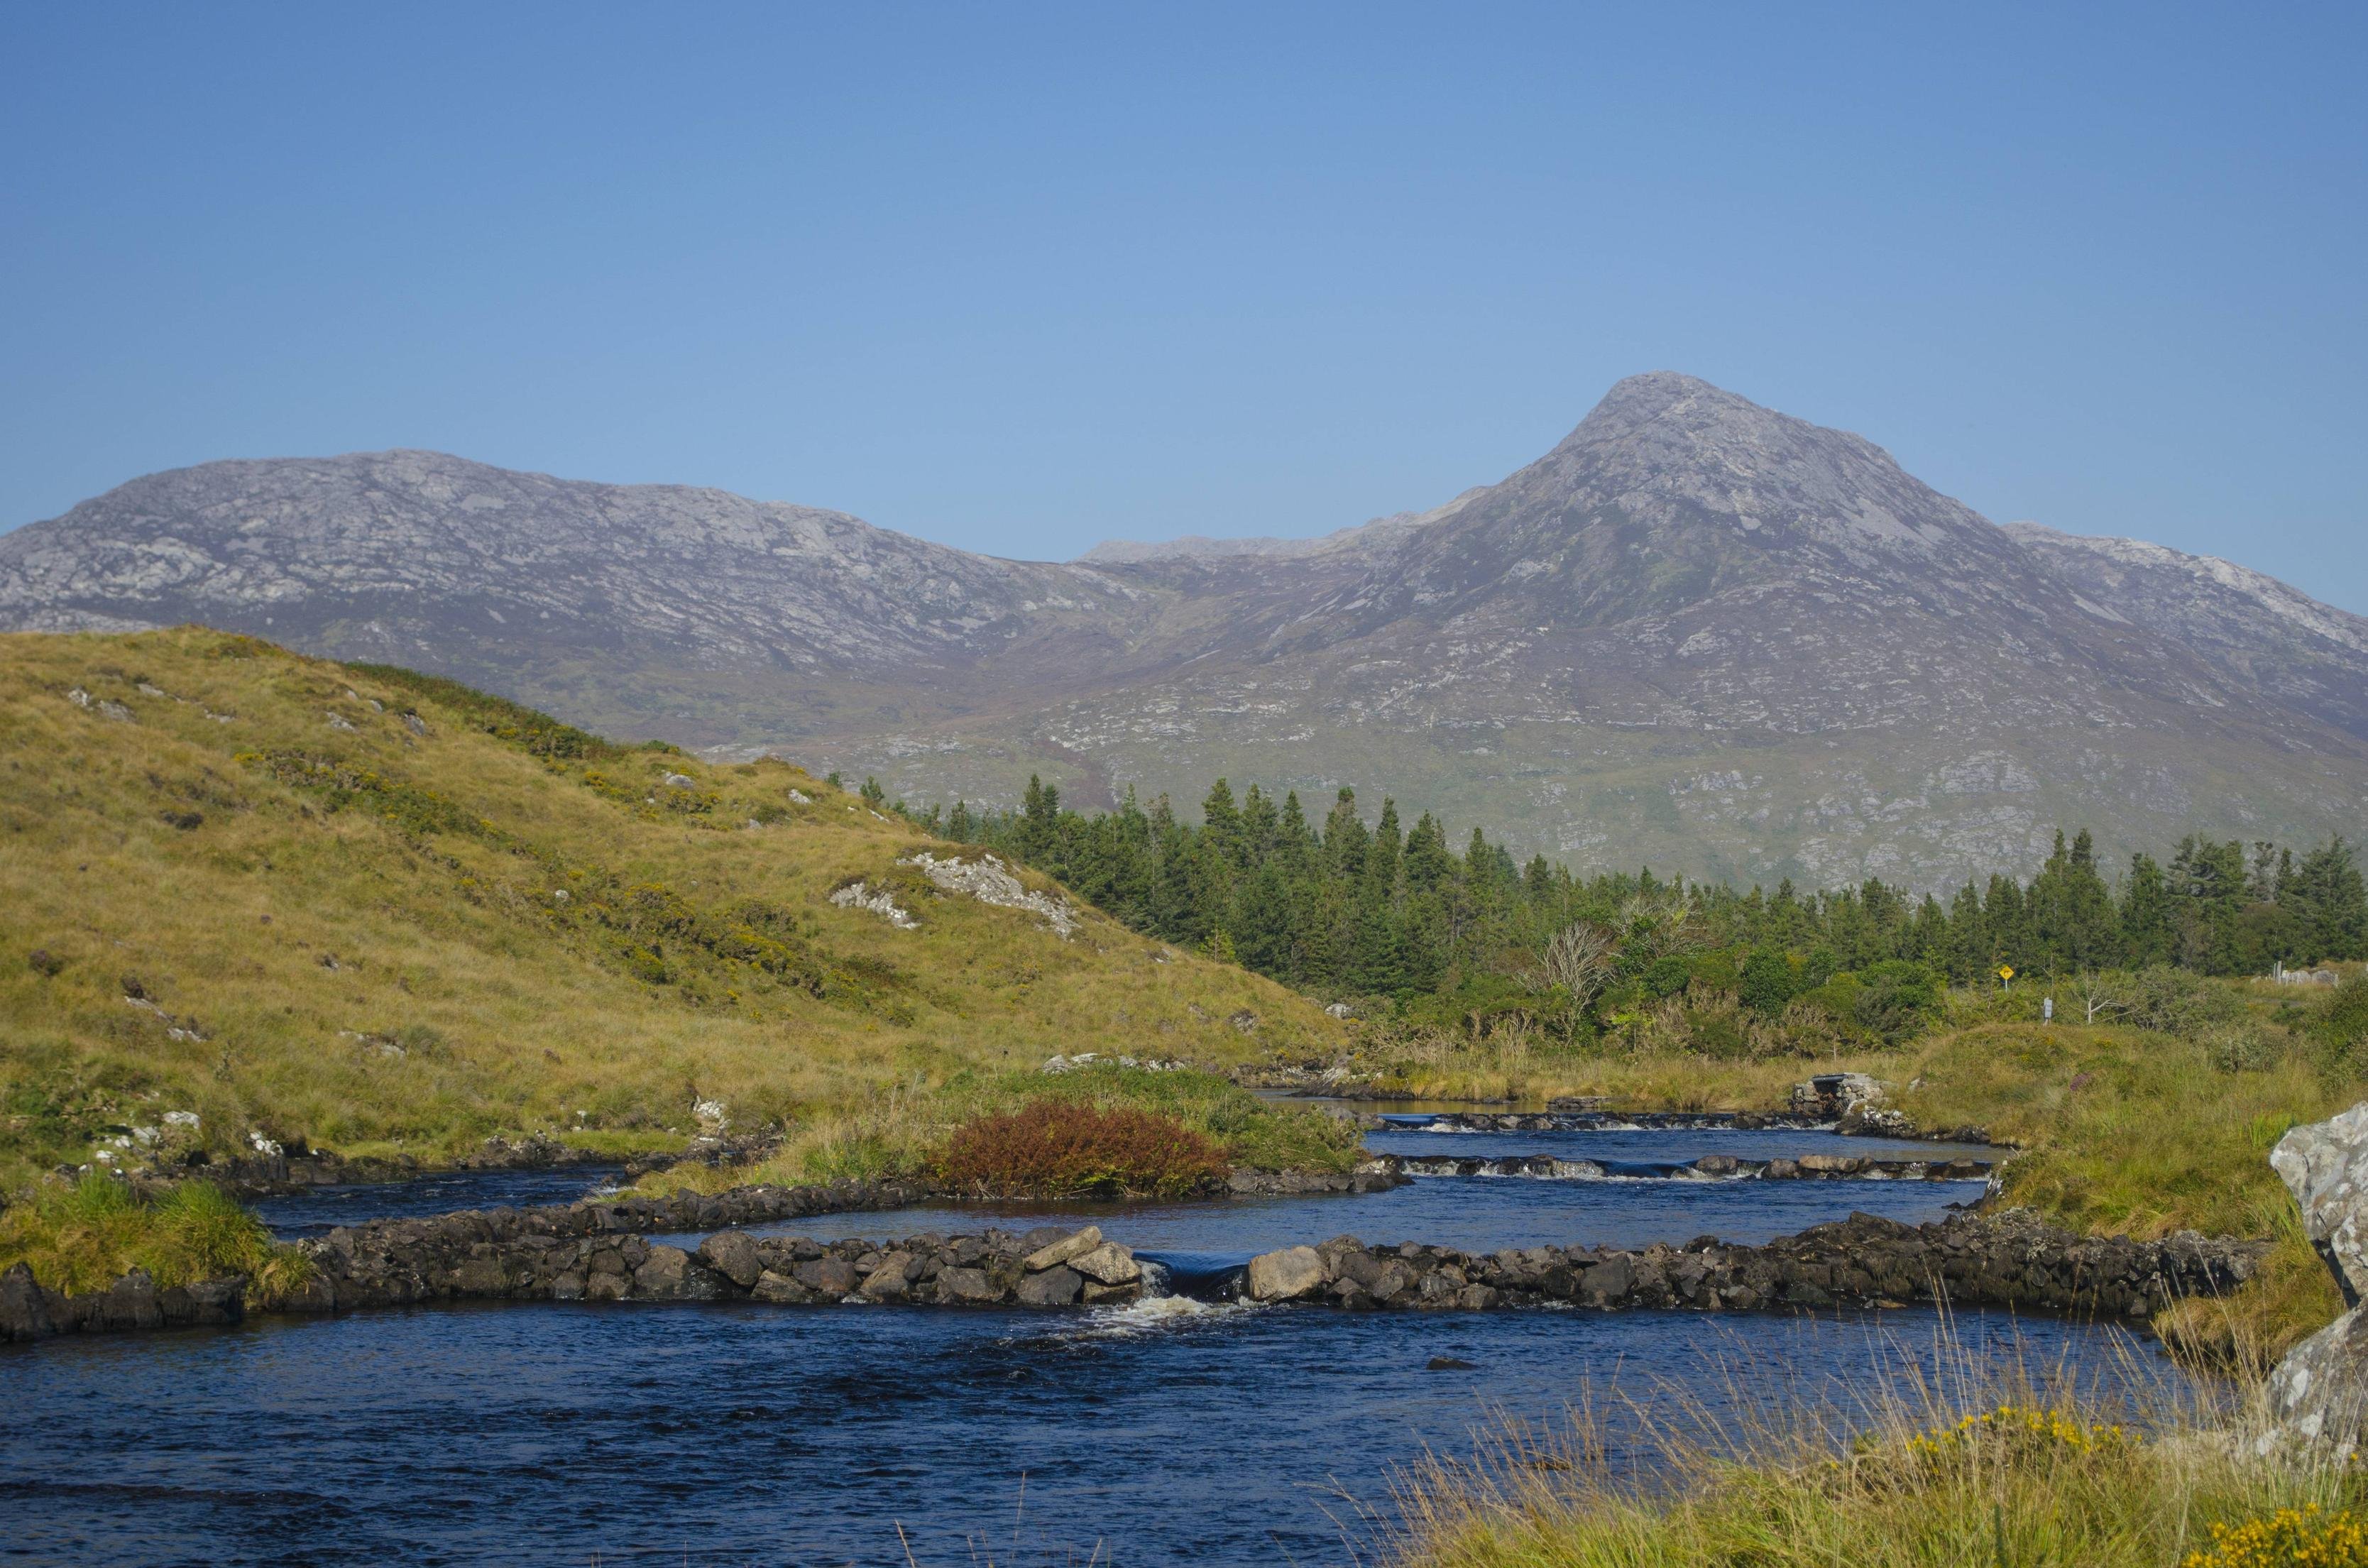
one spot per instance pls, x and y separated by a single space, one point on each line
385 939
83 1235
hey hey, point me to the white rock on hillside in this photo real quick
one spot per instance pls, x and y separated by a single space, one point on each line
987 881
862 895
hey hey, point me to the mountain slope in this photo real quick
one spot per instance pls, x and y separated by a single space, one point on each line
1698 632
350 906
2283 644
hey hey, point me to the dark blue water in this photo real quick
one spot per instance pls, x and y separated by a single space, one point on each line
317 1211
1674 1144
742 1433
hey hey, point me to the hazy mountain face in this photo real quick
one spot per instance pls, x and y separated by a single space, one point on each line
1697 633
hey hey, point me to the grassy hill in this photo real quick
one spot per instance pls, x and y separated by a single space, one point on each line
382 913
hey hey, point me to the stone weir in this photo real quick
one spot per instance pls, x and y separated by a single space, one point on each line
593 1252
1710 1167
2004 1259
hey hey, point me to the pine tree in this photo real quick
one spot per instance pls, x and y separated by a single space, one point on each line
2330 904
2147 935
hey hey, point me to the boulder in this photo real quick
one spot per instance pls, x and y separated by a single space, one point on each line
1109 1264
832 1277
1607 1281
1285 1276
24 1312
1076 1244
668 1275
133 1301
2325 1166
219 1300
1056 1287
782 1290
2319 1394
891 1277
964 1285
734 1254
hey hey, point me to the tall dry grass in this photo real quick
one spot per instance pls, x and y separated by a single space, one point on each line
1958 1461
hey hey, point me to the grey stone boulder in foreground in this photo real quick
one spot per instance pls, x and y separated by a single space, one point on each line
2325 1166
2319 1392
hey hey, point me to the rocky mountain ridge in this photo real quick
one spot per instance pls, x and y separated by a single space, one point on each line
1697 633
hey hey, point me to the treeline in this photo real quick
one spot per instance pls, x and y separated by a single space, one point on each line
1342 907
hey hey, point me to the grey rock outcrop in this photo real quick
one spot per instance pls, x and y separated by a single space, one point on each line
2319 1392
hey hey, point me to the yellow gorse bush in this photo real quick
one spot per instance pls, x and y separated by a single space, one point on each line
2021 1427
2307 1537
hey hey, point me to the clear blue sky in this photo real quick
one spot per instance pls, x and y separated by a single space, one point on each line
1019 277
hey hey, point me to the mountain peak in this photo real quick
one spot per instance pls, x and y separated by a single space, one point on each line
1682 407
1654 393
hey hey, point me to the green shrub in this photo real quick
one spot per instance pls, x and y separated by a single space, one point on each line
1767 982
2338 1028
2242 1047
1896 999
1667 976
2176 1002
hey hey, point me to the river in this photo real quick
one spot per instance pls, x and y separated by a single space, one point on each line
1175 1429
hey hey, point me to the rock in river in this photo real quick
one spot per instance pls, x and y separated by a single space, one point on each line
1285 1276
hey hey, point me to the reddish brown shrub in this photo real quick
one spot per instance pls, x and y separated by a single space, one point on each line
1060 1149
